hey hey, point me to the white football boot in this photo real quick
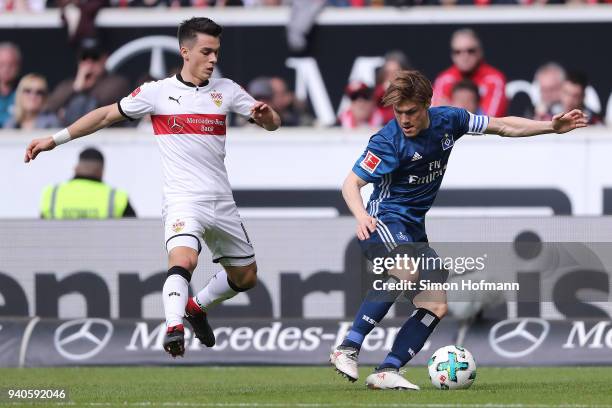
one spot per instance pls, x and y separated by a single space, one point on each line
389 379
345 361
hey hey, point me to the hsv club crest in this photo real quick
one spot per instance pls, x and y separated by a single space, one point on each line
447 141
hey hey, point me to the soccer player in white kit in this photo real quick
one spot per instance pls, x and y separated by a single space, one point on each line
189 112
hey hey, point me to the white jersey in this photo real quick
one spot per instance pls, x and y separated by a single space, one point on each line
189 123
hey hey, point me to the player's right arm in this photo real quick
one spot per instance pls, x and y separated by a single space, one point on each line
351 191
139 103
377 161
86 125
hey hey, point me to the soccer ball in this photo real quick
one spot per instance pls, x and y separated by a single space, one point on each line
452 367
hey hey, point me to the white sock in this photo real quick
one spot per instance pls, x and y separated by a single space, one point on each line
216 291
175 294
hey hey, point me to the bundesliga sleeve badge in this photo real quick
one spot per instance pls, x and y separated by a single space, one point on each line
370 162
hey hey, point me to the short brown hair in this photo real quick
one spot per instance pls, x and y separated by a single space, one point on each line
408 86
189 29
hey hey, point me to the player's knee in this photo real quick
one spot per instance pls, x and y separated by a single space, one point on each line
249 277
184 260
245 277
438 308
249 281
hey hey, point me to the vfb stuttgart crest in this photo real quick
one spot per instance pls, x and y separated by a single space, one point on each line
178 225
217 98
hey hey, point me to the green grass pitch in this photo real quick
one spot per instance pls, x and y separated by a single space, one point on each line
308 387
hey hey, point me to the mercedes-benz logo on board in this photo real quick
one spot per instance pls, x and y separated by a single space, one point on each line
514 338
82 339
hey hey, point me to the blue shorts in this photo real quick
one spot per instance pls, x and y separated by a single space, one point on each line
392 237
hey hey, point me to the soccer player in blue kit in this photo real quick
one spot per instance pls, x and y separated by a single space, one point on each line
406 161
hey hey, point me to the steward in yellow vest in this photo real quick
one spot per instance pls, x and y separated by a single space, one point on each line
85 196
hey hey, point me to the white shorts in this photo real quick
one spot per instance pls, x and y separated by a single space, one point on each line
217 223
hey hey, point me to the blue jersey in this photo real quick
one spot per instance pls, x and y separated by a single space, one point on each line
407 171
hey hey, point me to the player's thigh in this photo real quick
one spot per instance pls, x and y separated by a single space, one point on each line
405 258
393 244
432 300
228 239
183 230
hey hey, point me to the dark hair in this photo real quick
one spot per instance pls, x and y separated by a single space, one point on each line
578 78
466 84
408 86
189 29
91 154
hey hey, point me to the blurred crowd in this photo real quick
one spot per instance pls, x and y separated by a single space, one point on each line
39 5
27 102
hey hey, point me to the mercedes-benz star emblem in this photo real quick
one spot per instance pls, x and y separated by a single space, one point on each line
175 124
514 338
83 338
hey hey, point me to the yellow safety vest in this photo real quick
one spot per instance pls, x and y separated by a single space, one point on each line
82 198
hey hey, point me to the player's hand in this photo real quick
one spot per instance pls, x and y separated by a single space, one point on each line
365 225
36 146
564 122
261 112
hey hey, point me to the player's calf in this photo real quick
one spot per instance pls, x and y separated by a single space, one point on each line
224 285
175 294
410 339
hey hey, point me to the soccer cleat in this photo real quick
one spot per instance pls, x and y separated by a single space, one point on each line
174 342
199 323
345 361
389 379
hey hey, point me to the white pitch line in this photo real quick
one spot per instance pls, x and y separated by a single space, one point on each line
308 405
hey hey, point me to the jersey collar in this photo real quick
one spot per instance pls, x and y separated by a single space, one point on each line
190 84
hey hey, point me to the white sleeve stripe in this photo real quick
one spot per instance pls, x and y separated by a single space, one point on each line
477 123
485 123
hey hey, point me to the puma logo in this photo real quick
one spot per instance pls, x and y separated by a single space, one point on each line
177 100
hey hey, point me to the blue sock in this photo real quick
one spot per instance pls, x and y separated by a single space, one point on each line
411 338
374 307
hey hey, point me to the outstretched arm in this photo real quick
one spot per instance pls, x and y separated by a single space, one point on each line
513 126
351 191
88 124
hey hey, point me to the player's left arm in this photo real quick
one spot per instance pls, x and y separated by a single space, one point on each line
258 112
264 116
512 126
